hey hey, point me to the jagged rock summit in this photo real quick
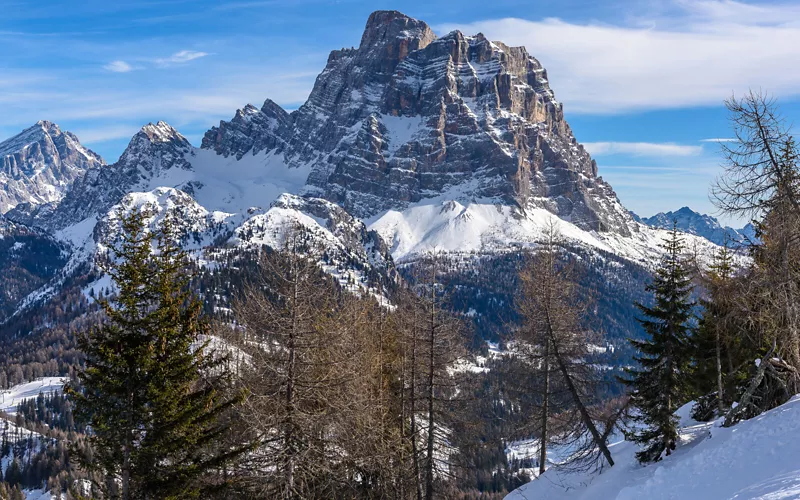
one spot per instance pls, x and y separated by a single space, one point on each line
39 165
408 117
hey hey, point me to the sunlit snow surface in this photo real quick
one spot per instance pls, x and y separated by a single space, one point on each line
756 459
450 226
9 399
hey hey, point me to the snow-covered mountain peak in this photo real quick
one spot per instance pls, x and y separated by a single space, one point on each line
154 148
162 132
28 136
44 133
38 165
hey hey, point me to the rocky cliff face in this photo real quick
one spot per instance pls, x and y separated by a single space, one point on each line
38 165
408 116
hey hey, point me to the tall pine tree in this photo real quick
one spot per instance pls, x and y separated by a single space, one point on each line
659 386
149 389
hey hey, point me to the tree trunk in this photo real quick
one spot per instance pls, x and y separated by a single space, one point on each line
290 380
126 471
720 401
587 419
751 389
413 410
545 404
127 448
403 462
431 363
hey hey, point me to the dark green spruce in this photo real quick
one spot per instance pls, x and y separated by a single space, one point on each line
659 385
153 400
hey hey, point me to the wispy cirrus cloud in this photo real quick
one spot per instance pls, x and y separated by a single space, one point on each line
649 189
118 66
691 53
180 57
641 149
183 56
720 139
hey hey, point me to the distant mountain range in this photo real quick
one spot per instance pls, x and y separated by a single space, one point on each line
408 143
691 222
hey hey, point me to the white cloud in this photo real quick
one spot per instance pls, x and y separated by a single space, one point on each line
641 149
180 57
698 54
720 139
118 67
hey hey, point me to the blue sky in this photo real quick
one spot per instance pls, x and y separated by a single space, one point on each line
642 82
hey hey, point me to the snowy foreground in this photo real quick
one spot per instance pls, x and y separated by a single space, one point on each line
756 459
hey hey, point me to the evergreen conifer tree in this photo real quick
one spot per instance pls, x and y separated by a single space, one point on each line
659 386
147 390
718 366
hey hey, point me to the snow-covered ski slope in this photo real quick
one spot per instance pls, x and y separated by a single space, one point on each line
756 459
11 398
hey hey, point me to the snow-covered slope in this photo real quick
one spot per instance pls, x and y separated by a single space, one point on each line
9 400
12 397
756 459
484 228
29 258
